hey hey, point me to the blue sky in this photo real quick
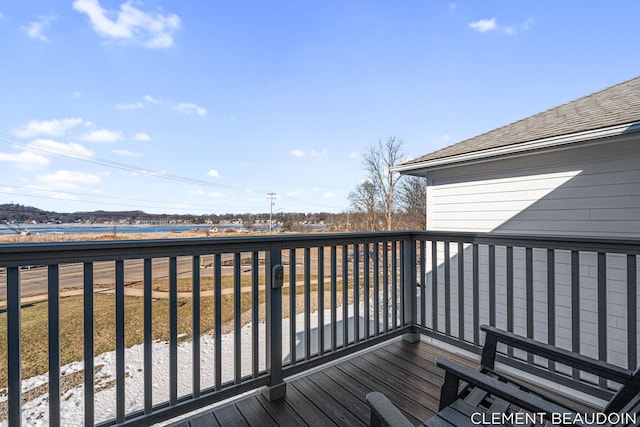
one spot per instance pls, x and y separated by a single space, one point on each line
206 106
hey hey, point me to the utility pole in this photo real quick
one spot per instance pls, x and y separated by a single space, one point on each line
271 196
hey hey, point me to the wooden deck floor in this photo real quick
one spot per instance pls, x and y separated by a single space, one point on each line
335 395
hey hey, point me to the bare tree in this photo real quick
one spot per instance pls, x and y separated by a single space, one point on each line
378 162
412 197
365 199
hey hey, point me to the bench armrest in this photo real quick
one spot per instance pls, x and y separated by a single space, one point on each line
383 412
587 364
521 398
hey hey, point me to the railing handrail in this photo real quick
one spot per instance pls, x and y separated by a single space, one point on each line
16 254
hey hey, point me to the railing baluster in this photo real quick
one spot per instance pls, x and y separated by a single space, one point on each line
320 300
292 306
334 297
394 283
14 350
148 335
409 289
376 290
385 287
120 378
356 293
366 272
551 302
461 309
423 283
632 314
255 321
476 296
217 286
492 285
510 295
447 289
173 330
53 299
237 312
434 285
89 416
575 306
195 322
345 296
529 295
307 303
602 310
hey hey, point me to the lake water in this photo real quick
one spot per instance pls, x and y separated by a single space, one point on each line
97 228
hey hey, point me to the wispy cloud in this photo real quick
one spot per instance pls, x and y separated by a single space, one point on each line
483 25
130 24
314 153
35 29
134 106
68 180
214 173
53 127
71 149
188 107
141 136
487 25
102 135
329 195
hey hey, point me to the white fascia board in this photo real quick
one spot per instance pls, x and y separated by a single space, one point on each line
554 142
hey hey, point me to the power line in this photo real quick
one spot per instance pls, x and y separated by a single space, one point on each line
34 145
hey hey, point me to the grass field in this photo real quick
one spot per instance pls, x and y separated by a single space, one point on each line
34 323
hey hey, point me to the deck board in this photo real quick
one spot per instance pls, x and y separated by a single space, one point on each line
335 395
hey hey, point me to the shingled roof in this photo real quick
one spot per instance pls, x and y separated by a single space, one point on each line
614 106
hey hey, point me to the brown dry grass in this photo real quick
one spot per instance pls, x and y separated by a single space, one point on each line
34 324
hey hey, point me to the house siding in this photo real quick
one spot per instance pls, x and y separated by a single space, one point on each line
584 191
588 191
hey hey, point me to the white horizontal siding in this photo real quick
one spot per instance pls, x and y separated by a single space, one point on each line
592 191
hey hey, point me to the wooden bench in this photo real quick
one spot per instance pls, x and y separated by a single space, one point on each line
486 397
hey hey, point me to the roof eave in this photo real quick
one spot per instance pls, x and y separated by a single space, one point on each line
551 143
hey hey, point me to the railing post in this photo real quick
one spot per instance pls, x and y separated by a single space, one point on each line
410 289
277 388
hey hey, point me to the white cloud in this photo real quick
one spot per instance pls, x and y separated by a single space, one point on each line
215 194
135 106
329 195
354 155
130 24
141 136
151 99
55 147
297 153
35 29
196 192
53 127
214 173
483 25
25 160
316 153
187 107
102 135
77 94
125 153
68 180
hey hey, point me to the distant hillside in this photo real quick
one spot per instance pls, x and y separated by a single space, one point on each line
21 214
